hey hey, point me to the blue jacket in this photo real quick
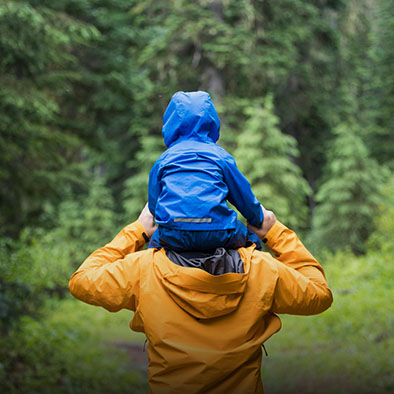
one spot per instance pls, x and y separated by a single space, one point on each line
191 181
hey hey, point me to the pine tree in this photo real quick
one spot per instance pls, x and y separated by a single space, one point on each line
381 89
349 196
245 49
264 155
38 66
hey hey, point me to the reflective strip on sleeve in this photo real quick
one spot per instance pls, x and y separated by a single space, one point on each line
193 220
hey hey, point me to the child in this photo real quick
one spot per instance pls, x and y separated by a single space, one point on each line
191 181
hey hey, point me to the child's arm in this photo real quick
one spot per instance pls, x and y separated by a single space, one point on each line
154 188
240 193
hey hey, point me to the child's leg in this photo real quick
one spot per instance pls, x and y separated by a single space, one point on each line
242 236
255 239
209 241
203 241
196 241
177 240
154 240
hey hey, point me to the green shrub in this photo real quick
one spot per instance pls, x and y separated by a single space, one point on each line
382 237
347 199
63 353
39 264
348 349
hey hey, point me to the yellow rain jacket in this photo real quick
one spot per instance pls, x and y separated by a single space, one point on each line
205 331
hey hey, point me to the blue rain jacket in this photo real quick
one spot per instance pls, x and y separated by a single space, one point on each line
191 181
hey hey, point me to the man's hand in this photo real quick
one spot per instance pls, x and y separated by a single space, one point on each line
268 222
146 219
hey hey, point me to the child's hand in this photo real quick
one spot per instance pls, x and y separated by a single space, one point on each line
146 219
268 222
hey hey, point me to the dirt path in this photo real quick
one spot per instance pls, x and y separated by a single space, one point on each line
138 356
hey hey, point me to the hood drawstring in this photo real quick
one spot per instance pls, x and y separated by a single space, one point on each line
265 350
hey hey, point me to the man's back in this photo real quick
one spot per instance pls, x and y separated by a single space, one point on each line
205 331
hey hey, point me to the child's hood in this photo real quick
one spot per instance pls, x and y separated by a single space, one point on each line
190 115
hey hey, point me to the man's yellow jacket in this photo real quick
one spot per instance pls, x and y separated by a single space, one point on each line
205 331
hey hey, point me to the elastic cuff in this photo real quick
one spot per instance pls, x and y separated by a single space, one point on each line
274 231
146 238
140 231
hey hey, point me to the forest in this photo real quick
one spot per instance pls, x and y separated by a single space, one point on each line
305 95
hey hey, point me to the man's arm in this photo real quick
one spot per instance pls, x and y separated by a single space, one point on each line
301 288
109 277
240 193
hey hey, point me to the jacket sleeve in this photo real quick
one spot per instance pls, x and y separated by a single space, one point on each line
301 288
154 188
240 193
109 277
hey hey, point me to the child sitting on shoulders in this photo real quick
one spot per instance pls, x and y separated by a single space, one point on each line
191 182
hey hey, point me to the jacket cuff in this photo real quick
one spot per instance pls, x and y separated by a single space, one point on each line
139 230
273 234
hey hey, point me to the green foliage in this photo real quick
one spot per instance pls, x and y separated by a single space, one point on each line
41 261
17 296
37 66
61 353
112 99
83 86
381 90
382 236
136 186
83 223
245 49
349 196
348 349
351 344
265 156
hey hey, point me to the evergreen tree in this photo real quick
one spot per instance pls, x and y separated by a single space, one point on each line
41 261
240 50
265 156
349 196
381 89
111 102
382 238
39 155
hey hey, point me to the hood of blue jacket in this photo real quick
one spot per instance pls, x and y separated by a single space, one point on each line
190 115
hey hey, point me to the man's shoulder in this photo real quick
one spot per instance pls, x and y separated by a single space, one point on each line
264 261
141 256
263 273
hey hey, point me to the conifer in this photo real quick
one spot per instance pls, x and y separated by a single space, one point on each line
349 195
266 157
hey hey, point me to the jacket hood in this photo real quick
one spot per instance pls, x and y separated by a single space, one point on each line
190 115
201 294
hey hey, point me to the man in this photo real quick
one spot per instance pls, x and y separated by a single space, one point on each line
205 316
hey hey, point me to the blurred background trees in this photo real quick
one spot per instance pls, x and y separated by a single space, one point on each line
85 83
304 91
